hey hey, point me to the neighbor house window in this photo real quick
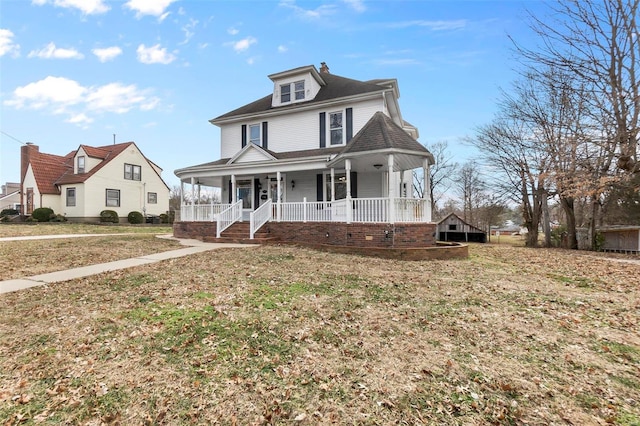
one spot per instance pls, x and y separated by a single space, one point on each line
71 197
254 134
299 90
152 198
113 198
132 172
81 164
335 127
452 227
285 93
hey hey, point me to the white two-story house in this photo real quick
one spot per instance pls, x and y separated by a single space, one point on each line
320 149
91 179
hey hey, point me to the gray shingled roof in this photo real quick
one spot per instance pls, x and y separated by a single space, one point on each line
336 87
381 133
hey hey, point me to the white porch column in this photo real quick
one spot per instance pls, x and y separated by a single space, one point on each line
403 193
193 199
234 196
182 205
392 189
333 184
426 194
279 195
347 169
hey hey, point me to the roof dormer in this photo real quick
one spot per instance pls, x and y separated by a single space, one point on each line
296 85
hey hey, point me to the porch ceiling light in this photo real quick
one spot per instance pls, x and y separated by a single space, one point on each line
377 166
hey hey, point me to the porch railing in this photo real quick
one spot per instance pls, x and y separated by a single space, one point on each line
201 212
259 217
363 210
228 217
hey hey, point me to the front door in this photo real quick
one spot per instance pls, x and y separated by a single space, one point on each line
244 188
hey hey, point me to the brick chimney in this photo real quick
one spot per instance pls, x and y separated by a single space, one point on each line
324 68
25 158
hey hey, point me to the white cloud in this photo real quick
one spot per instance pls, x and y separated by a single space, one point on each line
282 49
233 31
7 46
357 5
317 13
107 54
242 45
189 30
433 25
154 55
50 51
88 7
155 8
62 96
51 91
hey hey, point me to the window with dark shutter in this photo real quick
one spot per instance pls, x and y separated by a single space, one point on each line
244 135
265 145
323 130
349 123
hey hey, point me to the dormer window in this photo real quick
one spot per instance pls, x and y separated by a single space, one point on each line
285 93
299 90
80 164
286 89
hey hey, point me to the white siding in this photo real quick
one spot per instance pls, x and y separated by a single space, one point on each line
250 155
297 130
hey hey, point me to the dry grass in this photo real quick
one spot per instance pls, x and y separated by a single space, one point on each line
280 335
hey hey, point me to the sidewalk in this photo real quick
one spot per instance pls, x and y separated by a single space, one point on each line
193 246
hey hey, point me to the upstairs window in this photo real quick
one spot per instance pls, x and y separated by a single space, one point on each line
285 93
132 172
254 134
299 90
335 127
81 164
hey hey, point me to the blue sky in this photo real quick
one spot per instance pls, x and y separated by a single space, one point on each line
155 71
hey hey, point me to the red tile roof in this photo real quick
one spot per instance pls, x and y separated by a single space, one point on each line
106 153
47 168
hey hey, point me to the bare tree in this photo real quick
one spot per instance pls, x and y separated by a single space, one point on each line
597 44
470 187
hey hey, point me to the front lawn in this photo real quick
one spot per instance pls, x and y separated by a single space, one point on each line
286 335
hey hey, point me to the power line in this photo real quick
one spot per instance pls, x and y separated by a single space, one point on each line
15 139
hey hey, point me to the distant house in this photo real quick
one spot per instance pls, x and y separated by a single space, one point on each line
453 228
621 239
90 179
10 196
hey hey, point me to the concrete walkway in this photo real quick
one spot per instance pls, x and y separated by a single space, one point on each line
192 247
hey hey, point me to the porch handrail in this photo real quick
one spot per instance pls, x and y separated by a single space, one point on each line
228 217
259 217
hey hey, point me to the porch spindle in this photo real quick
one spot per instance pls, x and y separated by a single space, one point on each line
304 209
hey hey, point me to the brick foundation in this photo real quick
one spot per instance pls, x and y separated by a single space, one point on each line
406 241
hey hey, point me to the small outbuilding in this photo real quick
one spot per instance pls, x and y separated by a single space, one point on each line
453 228
621 239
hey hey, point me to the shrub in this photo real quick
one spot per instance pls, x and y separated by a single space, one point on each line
164 218
42 214
9 212
135 217
109 216
58 218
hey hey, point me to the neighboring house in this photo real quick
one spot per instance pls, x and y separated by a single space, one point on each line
10 196
453 228
325 151
91 179
622 239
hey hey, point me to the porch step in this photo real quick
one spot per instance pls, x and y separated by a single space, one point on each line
238 233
